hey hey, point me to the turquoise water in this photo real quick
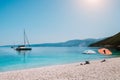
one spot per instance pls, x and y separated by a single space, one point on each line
45 56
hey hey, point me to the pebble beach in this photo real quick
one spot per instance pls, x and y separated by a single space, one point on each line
96 70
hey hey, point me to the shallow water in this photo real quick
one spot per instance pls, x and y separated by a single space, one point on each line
45 56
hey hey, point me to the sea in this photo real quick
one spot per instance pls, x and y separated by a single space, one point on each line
11 59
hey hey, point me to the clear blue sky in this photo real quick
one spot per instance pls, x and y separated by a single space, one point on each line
57 20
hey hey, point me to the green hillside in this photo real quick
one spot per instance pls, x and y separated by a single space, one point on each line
113 42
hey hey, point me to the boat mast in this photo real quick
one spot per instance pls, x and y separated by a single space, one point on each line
26 41
24 38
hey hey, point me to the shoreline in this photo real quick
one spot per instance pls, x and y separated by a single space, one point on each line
96 70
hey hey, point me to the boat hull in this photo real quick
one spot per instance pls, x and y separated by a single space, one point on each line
20 49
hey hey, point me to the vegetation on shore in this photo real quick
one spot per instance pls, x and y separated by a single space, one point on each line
110 42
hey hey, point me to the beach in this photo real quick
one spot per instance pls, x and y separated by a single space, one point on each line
96 70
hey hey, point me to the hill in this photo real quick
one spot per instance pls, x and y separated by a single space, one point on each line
70 43
112 42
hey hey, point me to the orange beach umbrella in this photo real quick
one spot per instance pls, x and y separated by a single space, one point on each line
104 51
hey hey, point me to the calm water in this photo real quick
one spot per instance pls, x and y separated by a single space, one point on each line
45 56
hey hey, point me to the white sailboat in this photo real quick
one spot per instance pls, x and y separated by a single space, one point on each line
26 45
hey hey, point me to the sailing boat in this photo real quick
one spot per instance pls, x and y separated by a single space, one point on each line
26 45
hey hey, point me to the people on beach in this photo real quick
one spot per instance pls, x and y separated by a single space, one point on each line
86 62
103 60
104 51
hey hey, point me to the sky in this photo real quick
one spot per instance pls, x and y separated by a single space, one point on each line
49 21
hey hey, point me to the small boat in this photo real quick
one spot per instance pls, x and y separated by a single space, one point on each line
25 46
104 51
89 52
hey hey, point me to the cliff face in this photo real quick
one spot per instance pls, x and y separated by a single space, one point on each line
113 42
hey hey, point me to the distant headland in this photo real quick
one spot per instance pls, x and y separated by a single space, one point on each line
110 42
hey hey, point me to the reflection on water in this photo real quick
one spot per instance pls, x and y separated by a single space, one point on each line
24 53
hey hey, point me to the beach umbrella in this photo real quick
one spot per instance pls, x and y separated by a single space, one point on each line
104 51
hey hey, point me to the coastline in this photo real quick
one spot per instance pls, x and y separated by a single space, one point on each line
96 70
